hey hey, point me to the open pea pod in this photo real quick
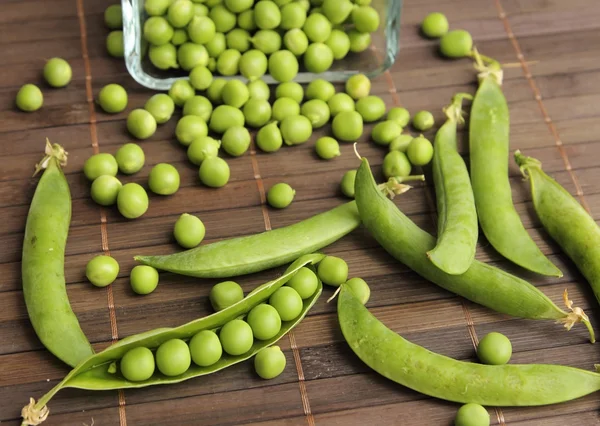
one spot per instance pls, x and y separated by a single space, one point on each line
97 372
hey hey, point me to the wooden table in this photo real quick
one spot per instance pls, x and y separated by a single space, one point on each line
553 88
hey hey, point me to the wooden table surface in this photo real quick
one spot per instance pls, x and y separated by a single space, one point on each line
552 83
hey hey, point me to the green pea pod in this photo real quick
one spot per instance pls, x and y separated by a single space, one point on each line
254 253
481 283
442 377
43 263
98 371
457 218
488 145
565 219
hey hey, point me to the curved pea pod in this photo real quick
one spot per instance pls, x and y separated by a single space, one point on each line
565 220
481 283
98 372
488 146
254 253
442 377
43 263
457 218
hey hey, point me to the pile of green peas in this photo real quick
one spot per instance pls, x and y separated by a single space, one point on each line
453 44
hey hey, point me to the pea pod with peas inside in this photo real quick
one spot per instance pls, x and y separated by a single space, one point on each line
488 146
481 283
442 377
99 372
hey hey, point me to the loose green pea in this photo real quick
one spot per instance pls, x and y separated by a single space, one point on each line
295 41
269 138
287 301
283 65
290 90
340 102
235 93
114 44
245 20
267 15
456 44
360 289
305 282
137 364
339 43
238 6
318 58
130 158
238 39
112 98
317 28
385 132
224 117
163 179
236 337
295 129
190 127
143 279
358 86
156 7
100 164
214 172
264 321
202 148
215 90
212 65
347 126
396 164
57 71
267 41
102 270
365 19
258 89
201 78
236 141
132 201
224 19
359 42
327 148
164 56
304 3
280 195
472 415
257 112
321 89
173 357
180 36
205 348
29 98
420 151
161 107
285 107
293 15
434 25
198 105
399 115
401 143
317 111
253 64
181 91
189 231
225 294
347 183
494 349
333 271
105 189
217 45
371 108
113 17
337 11
228 62
423 120
180 13
269 362
157 31
201 29
191 55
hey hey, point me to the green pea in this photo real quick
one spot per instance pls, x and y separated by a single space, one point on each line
57 71
264 321
257 112
285 107
190 127
191 55
269 138
318 58
235 93
202 148
156 7
396 164
137 364
371 108
358 86
283 65
385 132
267 41
157 31
224 117
305 282
143 279
100 164
29 98
238 6
423 120
267 15
180 13
205 348
365 19
317 28
200 10
360 289
434 25
173 357
472 415
132 201
359 42
224 19
180 36
280 195
212 3
269 362
161 107
339 43
258 89
102 270
340 102
236 141
253 64
295 41
337 11
290 90
347 126
214 172
201 29
104 190
456 44
201 78
494 349
420 151
212 65
399 115
114 44
327 148
238 39
199 106
317 111
130 158
164 179
333 271
295 129
293 15
217 45
113 17
321 89
181 91
245 20
225 294
304 3
400 143
236 337
215 90
228 62
288 303
189 231
164 56
347 183
112 98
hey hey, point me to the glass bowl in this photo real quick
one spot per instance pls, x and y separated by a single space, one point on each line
372 62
